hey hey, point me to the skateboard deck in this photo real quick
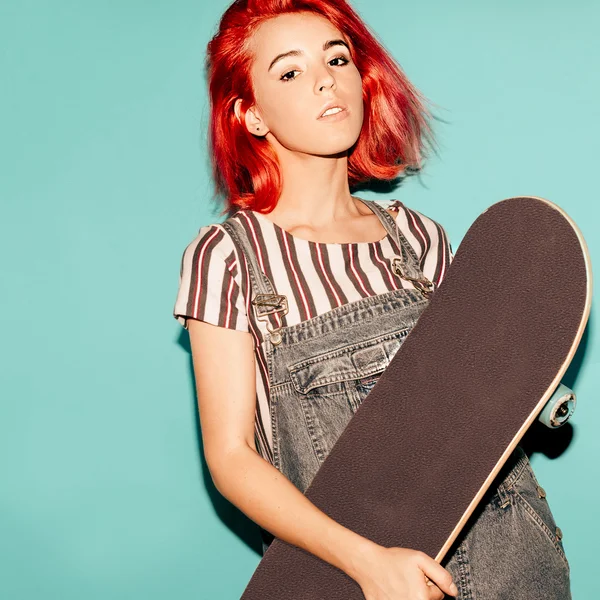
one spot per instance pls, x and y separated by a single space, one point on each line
475 372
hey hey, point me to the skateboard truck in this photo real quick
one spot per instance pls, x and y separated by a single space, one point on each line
559 408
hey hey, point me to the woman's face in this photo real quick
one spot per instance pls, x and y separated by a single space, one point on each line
292 91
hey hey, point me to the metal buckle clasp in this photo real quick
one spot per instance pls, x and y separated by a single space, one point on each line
278 303
423 284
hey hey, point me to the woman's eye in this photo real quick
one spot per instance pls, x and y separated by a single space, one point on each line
341 57
285 77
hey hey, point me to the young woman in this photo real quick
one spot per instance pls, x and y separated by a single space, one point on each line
305 103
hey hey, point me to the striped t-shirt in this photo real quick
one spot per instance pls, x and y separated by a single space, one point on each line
316 277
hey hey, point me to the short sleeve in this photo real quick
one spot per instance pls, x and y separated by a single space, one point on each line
428 239
210 288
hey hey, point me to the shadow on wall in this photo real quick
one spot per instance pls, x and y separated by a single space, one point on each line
553 442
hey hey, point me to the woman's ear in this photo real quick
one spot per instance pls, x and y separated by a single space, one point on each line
253 122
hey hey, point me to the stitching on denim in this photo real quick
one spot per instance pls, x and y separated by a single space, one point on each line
361 321
274 433
395 228
411 298
340 376
374 341
542 524
514 473
310 426
464 585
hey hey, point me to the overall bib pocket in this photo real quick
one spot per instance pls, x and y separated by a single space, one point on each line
331 386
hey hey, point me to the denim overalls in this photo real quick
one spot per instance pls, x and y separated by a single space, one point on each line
320 371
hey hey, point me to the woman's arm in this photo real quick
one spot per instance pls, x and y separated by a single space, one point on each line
225 381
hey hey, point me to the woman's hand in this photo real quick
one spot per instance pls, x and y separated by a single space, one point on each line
402 574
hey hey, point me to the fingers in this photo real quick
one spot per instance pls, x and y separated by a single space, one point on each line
435 572
437 594
434 591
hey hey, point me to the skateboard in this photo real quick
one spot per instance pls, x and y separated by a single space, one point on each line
482 363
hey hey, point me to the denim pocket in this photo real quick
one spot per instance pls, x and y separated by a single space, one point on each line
531 497
351 370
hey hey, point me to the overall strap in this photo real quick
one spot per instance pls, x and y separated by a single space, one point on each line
405 265
265 299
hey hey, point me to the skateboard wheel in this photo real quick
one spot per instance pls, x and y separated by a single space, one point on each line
559 408
541 491
559 533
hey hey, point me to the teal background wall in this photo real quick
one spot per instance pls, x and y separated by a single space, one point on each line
104 180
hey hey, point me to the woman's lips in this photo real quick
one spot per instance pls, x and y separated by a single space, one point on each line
338 116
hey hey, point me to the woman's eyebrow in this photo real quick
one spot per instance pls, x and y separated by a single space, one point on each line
328 44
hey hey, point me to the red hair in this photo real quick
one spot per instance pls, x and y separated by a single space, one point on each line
245 167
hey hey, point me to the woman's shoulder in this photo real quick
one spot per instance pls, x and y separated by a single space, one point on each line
410 215
211 253
427 237
211 240
210 281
